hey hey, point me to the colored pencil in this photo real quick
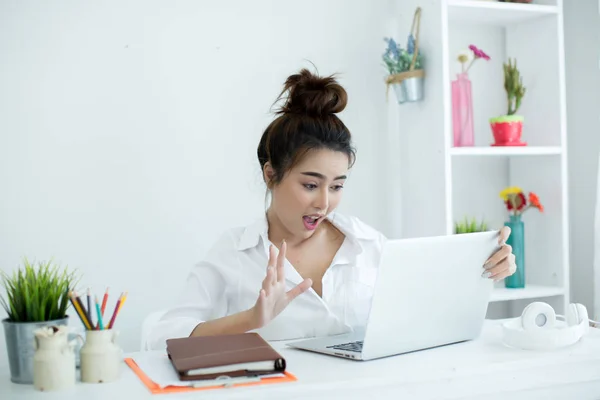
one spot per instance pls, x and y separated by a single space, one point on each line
100 324
86 315
104 300
85 312
112 320
123 298
78 309
89 302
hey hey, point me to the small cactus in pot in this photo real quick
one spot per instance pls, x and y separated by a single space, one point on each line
507 128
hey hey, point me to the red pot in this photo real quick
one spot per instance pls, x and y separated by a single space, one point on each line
507 133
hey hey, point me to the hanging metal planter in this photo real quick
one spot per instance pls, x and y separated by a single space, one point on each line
409 85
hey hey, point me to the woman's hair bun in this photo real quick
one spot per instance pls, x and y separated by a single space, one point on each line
313 95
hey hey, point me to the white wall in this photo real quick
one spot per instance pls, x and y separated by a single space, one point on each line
582 43
128 129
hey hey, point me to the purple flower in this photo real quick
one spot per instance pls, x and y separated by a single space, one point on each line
411 44
392 48
478 53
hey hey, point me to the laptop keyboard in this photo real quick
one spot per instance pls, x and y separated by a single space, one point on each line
351 346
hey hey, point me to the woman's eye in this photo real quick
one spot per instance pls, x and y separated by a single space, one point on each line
310 186
338 187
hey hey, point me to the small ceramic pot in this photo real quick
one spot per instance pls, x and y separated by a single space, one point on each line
101 358
53 360
507 131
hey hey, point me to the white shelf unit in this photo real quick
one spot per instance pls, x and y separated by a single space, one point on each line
529 292
506 151
492 13
441 184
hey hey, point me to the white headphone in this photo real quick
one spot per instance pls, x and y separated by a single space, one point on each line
538 328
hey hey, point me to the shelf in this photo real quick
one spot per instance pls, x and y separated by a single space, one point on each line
505 151
529 292
496 13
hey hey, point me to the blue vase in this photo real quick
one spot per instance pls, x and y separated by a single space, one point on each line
517 241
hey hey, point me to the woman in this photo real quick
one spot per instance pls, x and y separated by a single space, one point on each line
302 270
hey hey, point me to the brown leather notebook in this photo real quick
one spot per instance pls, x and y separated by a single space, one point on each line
208 357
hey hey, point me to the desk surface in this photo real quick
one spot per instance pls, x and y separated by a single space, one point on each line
483 368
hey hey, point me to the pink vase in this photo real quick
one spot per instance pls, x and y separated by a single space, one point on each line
462 111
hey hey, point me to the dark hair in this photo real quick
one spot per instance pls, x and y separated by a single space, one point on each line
306 122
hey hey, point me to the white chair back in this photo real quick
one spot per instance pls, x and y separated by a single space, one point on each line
147 326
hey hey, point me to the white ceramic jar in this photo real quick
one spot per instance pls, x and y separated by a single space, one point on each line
100 357
53 360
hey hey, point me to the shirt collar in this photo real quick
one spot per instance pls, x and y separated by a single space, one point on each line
351 228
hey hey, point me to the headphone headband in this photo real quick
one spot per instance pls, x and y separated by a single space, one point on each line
538 328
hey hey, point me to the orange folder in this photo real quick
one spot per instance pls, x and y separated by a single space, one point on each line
155 389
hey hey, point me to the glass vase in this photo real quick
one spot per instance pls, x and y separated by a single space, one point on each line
516 240
462 111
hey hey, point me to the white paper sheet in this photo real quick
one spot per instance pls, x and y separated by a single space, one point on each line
158 367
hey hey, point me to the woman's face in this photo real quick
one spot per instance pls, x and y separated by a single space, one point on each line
310 191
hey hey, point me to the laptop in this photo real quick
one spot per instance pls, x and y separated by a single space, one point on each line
429 292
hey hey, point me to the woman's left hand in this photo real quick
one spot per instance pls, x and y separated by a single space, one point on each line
502 263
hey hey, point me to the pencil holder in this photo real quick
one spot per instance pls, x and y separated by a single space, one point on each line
100 357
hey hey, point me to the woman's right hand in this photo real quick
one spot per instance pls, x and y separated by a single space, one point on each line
273 298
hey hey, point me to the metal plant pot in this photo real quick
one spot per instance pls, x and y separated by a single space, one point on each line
19 338
414 88
408 86
400 92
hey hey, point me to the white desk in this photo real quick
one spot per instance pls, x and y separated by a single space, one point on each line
483 368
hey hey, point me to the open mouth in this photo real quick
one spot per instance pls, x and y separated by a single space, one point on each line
311 221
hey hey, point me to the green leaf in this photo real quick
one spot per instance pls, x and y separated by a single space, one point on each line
37 291
470 225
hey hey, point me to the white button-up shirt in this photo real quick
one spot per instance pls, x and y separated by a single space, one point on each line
230 277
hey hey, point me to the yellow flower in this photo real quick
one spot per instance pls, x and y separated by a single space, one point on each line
510 190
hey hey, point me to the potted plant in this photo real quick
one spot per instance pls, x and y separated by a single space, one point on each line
405 66
507 128
36 296
470 226
517 203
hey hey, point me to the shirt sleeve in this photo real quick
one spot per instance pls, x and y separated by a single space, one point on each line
203 298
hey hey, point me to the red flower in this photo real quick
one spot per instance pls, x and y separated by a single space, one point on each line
518 200
535 201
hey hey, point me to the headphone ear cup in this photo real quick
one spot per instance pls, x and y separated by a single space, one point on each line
572 315
576 314
538 315
526 314
583 317
583 314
